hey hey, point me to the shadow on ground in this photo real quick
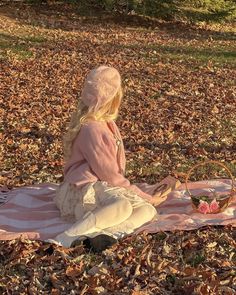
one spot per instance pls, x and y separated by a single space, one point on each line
220 55
69 17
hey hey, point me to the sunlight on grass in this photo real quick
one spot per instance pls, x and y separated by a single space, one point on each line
18 46
218 55
206 15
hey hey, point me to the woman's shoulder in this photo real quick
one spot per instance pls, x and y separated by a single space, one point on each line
96 133
93 128
93 125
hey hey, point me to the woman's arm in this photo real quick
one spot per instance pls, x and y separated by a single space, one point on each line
99 149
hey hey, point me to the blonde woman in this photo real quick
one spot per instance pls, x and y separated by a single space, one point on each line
95 191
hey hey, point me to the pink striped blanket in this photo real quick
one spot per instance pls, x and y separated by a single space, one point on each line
30 212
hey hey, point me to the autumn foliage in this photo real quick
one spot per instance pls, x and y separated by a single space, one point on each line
179 108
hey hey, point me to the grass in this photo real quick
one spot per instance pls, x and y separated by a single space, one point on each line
219 55
181 10
204 55
18 46
151 172
206 15
208 171
196 260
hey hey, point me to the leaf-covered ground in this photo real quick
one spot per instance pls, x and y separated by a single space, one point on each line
199 262
179 108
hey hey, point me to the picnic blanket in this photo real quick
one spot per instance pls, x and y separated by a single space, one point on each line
30 212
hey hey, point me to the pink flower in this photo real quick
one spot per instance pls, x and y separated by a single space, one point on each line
214 206
203 207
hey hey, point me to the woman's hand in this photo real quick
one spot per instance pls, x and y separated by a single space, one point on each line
157 199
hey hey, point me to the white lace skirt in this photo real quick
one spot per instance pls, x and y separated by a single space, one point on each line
73 202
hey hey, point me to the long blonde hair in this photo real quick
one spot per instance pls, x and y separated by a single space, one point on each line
84 114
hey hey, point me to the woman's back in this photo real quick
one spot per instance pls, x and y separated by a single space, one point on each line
98 140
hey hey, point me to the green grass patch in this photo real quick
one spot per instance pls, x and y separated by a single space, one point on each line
218 55
196 260
196 15
210 11
140 169
35 39
208 171
18 46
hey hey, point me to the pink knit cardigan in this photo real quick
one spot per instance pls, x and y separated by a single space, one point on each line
98 155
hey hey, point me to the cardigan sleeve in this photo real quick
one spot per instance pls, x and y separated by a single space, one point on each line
99 150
